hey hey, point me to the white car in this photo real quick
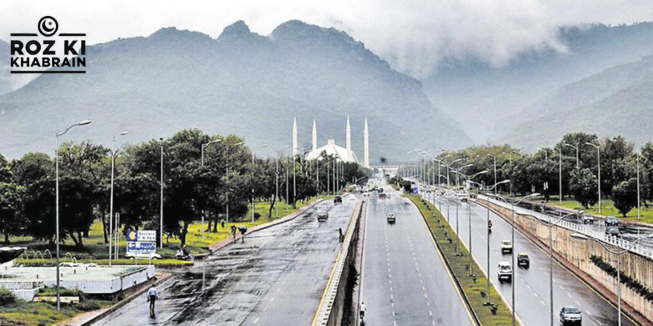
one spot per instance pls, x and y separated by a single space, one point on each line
391 218
505 271
142 256
506 246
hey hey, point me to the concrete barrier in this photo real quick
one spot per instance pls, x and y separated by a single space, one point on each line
330 311
578 252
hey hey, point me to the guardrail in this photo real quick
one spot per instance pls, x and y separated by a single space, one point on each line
326 315
578 228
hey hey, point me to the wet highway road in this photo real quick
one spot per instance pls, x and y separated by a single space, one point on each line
276 277
532 285
404 279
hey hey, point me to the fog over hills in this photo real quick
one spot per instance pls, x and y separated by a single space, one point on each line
241 83
485 98
617 101
5 81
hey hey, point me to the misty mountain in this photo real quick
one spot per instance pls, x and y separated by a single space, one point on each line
483 97
617 101
5 79
241 83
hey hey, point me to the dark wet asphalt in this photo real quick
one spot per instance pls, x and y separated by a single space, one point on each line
276 277
404 279
532 285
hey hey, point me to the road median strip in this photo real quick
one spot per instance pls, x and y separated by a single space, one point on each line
473 288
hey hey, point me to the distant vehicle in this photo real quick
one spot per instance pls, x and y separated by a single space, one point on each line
130 255
380 189
337 200
463 196
613 231
505 271
391 218
611 221
586 218
68 265
506 246
523 260
472 195
322 216
570 316
382 196
428 191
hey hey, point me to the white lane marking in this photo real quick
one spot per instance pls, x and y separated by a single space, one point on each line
272 299
256 321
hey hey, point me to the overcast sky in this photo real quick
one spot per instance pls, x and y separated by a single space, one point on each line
413 35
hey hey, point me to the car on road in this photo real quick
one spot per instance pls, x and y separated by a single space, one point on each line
392 218
462 196
131 255
523 260
505 271
506 246
611 221
337 200
472 195
570 315
586 218
613 231
382 196
322 216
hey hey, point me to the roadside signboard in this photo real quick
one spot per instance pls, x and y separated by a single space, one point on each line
416 190
141 248
147 236
141 242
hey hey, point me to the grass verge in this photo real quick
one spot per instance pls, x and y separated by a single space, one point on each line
122 261
97 251
475 287
22 313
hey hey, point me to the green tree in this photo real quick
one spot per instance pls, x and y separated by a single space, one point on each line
12 218
583 187
624 196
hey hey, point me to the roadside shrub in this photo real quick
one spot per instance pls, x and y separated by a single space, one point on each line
630 282
7 296
88 305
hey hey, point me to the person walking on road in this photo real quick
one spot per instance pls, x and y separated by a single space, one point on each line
362 312
152 295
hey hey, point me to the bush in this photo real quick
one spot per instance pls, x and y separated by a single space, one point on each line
88 305
7 296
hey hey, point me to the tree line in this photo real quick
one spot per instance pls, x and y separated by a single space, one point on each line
229 173
575 157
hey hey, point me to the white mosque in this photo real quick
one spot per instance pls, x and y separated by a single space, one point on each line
341 154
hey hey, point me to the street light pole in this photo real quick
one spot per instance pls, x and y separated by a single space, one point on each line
514 308
113 164
560 176
252 180
161 201
639 208
598 158
56 159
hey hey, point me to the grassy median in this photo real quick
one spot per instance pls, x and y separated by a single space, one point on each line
474 287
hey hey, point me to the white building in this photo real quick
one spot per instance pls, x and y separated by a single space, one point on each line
343 154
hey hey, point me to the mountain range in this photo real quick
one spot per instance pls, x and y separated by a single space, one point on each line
617 101
241 83
484 98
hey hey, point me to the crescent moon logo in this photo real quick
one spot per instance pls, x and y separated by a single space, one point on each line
48 26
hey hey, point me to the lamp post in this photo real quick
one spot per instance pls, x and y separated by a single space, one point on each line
495 171
277 174
161 198
489 302
577 153
514 309
252 180
469 215
618 254
228 184
639 207
59 134
560 176
113 164
203 146
598 158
